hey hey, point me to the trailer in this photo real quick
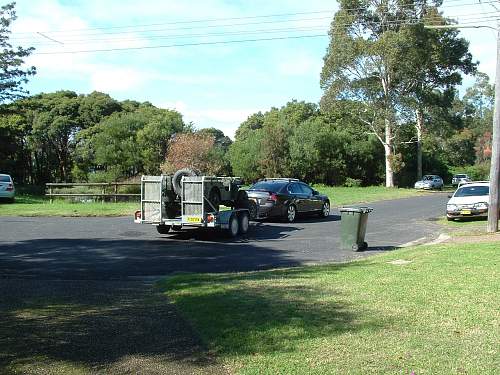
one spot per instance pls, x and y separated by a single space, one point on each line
187 200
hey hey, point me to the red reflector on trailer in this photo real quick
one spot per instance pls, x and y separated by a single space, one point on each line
210 218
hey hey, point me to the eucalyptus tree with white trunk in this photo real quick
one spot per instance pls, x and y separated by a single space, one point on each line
379 56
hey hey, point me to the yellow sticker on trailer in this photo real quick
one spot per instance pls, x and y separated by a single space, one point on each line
193 219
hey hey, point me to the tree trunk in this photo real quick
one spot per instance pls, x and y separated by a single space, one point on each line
419 126
389 173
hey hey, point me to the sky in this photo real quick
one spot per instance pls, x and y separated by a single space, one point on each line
212 85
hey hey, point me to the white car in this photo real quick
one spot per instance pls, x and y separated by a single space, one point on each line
7 189
471 199
430 181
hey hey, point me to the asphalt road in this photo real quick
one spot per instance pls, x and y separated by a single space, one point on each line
118 249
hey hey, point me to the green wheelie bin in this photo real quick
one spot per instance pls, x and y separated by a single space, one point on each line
353 227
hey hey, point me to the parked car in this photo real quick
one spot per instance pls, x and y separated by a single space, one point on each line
7 189
430 181
285 198
458 178
469 200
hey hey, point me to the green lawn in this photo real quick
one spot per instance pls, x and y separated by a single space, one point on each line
423 310
341 195
26 205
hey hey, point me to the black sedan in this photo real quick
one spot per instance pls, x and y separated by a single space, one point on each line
285 198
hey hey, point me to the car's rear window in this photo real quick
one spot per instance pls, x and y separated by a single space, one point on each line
471 191
272 186
460 176
4 178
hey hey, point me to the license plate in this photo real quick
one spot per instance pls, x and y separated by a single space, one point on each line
193 219
465 212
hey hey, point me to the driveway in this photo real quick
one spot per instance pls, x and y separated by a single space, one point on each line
116 248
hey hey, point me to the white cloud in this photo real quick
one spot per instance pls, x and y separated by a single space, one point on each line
113 79
227 120
300 64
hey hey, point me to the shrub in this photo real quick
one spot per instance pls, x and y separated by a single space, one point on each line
352 182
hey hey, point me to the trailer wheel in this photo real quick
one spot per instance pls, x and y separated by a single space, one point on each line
244 222
234 226
163 229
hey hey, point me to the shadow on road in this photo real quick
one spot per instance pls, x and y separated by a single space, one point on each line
107 259
85 327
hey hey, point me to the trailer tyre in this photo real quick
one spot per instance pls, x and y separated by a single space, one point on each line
177 178
163 229
244 222
234 226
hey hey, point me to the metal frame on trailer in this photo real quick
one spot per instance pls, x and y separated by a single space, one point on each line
196 208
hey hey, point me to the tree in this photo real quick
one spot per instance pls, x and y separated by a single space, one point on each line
155 136
12 76
193 150
433 66
369 41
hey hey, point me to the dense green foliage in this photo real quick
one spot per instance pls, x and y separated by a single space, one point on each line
63 136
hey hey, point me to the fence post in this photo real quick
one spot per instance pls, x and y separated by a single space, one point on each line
50 193
103 192
116 190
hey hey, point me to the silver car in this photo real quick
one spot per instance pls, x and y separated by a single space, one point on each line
429 182
459 178
7 189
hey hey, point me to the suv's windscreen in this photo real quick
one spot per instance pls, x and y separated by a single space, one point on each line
471 191
4 178
427 178
272 186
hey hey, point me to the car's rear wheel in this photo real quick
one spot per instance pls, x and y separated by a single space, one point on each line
291 214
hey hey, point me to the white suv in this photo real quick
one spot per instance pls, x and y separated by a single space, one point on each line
469 200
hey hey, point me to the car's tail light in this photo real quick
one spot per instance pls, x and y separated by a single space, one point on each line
10 187
210 218
272 198
137 215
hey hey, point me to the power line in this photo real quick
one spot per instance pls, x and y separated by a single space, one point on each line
182 45
483 16
409 6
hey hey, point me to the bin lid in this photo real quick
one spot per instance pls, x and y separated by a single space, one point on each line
361 210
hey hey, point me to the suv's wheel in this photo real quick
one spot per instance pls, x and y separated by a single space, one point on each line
291 213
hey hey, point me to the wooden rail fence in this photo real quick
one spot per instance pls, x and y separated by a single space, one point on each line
104 190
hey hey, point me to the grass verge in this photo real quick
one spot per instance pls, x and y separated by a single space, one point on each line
341 195
424 310
27 205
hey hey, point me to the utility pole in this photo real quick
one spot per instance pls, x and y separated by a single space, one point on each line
493 209
495 151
